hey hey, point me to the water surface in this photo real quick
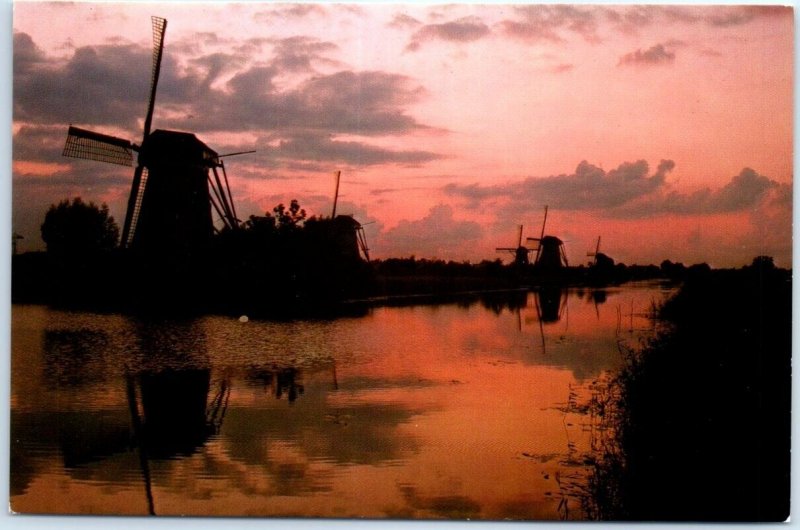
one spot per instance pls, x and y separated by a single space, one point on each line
430 411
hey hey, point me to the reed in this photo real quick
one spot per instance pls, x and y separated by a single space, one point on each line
696 424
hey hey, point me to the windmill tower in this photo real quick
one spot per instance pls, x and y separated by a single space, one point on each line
172 193
520 252
550 253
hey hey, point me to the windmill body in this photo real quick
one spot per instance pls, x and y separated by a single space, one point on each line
172 194
174 212
550 254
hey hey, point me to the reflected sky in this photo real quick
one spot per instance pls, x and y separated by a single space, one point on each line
438 411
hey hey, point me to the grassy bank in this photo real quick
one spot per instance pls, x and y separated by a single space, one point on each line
701 416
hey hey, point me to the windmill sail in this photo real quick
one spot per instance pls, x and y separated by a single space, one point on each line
136 195
89 145
159 28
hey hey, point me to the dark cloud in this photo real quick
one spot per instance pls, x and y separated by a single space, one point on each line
466 29
588 188
97 180
739 15
745 191
298 54
537 23
27 55
436 234
361 103
632 19
107 86
627 192
39 143
316 147
554 23
654 55
101 84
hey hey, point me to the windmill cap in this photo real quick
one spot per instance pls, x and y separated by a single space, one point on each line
176 148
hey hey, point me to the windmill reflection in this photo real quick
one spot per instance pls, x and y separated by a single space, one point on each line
173 416
551 305
279 380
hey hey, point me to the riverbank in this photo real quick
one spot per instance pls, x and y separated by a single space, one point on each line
701 415
281 285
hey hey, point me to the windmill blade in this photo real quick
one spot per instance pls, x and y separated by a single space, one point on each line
159 28
544 223
519 239
134 205
89 145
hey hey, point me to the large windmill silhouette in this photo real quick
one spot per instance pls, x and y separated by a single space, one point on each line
172 192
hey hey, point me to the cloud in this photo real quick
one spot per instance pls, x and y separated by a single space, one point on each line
555 23
317 147
281 13
39 143
588 188
402 21
437 234
628 192
654 55
632 19
101 84
467 29
745 191
107 87
298 54
537 23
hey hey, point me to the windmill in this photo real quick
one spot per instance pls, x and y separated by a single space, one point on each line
550 253
594 254
347 228
520 252
601 263
172 192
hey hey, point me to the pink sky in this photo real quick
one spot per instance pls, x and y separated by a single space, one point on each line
667 130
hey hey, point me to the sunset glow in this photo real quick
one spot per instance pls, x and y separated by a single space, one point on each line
667 130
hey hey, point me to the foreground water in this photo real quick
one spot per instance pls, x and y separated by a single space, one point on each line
435 411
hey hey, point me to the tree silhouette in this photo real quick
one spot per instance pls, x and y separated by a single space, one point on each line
291 218
77 228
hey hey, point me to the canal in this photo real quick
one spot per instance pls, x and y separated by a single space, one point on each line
466 410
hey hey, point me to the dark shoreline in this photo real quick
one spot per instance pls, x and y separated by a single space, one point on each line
113 282
701 416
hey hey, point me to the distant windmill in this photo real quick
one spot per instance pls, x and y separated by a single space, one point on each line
520 252
550 253
346 225
601 262
172 193
595 253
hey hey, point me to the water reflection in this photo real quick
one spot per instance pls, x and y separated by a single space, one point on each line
550 303
414 411
279 381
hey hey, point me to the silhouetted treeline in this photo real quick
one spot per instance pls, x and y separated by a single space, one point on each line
702 422
281 264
